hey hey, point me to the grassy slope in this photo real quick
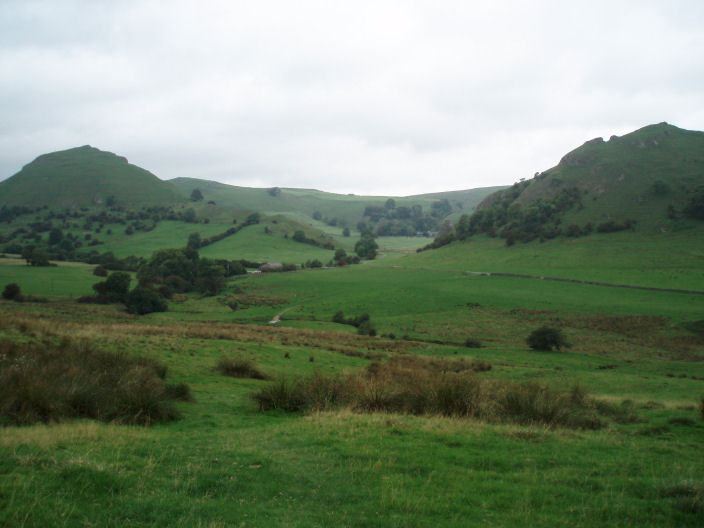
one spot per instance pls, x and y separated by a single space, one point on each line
84 176
672 260
306 201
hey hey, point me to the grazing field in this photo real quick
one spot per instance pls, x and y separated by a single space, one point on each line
636 364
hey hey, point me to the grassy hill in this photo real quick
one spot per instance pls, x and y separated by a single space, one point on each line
85 176
347 208
643 181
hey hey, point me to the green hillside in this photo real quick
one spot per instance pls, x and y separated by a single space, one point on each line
649 180
346 209
84 176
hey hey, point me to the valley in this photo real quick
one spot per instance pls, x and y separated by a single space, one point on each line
400 390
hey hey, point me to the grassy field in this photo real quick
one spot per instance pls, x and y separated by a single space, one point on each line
227 463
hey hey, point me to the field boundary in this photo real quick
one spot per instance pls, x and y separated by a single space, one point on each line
580 281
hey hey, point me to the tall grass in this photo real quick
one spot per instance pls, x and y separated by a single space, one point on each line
414 385
238 367
48 383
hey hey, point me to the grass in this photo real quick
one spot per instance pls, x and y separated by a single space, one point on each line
436 464
67 279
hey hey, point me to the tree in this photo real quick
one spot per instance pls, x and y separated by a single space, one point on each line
196 195
390 204
317 215
274 191
194 241
211 277
39 258
189 215
346 232
115 287
143 301
252 219
366 247
55 236
299 236
547 338
27 253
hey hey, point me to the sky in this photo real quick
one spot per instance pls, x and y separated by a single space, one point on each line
367 97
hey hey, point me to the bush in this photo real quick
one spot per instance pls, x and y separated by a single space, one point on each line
142 301
237 367
100 271
546 338
470 342
48 383
12 292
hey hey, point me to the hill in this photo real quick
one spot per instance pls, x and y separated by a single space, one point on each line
84 176
648 180
334 209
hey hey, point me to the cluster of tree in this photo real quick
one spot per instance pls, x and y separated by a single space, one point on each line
9 213
116 289
508 218
333 222
341 258
300 236
391 220
362 322
366 247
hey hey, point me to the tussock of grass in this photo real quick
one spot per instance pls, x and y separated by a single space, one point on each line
47 383
237 367
421 386
687 496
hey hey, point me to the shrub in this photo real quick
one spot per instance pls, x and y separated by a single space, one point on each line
48 383
12 292
415 385
472 343
237 367
100 271
142 301
546 338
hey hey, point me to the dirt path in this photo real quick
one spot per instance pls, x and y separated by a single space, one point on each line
277 317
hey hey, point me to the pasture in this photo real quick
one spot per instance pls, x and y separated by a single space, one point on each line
225 462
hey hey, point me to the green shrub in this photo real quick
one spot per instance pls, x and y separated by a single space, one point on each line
547 338
472 343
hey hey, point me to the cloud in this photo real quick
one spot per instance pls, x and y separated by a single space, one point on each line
368 97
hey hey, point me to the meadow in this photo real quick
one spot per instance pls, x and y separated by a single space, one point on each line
225 462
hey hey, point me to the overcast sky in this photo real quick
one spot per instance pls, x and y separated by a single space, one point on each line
367 97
